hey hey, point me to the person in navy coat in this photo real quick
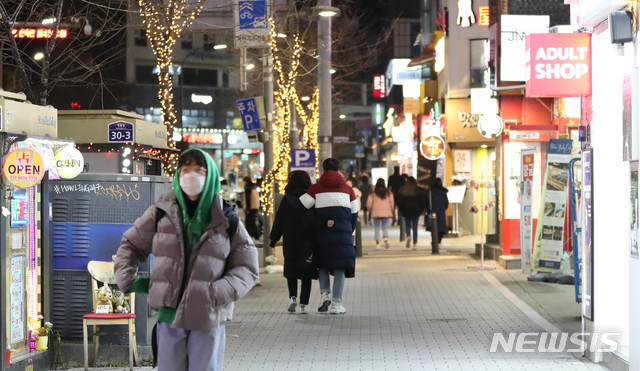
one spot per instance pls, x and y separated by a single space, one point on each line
333 200
439 204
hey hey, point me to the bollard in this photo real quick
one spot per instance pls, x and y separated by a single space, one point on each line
358 239
435 246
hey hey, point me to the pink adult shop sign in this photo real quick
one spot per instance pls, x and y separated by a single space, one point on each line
558 65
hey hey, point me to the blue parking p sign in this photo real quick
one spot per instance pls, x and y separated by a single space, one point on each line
303 158
250 113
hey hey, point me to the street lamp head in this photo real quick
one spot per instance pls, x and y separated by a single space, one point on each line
326 11
250 66
219 46
38 56
47 21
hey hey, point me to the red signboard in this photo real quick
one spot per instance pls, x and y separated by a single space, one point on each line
37 33
558 65
379 86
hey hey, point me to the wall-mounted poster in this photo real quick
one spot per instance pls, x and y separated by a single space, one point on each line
18 209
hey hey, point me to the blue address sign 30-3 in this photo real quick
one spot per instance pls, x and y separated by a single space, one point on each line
120 131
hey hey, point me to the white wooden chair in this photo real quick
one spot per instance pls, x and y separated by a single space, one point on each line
102 272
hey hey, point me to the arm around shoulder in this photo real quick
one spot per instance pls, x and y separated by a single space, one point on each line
241 271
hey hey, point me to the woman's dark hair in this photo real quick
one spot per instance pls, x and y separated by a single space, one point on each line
298 179
411 180
365 179
437 183
380 190
192 157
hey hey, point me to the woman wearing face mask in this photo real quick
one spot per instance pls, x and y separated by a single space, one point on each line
200 266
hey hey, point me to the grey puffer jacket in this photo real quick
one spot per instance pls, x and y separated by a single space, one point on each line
219 272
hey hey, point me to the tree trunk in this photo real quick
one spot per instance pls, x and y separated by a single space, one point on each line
165 78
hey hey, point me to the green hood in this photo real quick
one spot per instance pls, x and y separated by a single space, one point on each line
192 228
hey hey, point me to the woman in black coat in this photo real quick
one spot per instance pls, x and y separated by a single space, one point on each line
298 230
439 204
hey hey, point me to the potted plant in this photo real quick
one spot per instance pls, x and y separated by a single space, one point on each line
40 334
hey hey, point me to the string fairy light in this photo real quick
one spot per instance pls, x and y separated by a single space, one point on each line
284 96
164 26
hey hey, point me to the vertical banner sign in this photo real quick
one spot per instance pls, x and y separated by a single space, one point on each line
555 202
587 233
526 205
251 27
633 226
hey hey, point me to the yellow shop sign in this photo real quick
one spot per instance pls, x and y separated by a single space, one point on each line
23 168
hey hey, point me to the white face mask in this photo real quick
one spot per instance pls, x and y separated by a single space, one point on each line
192 183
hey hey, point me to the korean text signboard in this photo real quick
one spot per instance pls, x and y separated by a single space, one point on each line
251 109
554 201
526 204
558 65
251 24
120 132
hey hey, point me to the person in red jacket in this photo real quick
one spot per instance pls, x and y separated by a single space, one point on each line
333 200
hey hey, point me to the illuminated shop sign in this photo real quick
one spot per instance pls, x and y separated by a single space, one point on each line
379 86
432 147
38 33
18 209
23 168
558 65
483 16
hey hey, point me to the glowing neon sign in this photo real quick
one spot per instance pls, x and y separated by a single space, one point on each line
38 33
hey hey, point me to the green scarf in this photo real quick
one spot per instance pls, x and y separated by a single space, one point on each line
192 228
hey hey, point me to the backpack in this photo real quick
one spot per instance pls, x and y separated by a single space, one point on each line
233 219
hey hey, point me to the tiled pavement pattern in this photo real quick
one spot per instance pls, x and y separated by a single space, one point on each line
406 310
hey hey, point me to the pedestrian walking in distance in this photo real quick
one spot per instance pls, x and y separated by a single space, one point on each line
252 219
297 229
439 205
333 200
381 204
365 190
412 202
198 270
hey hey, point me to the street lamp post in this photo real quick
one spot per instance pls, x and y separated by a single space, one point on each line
324 76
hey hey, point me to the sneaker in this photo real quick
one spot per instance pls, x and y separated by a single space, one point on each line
303 309
325 301
337 308
292 305
408 242
378 246
386 243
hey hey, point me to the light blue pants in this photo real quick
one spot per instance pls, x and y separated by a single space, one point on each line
378 224
338 283
190 350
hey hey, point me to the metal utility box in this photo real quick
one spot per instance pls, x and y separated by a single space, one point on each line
88 216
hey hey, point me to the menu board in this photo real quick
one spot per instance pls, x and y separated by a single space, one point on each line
17 295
